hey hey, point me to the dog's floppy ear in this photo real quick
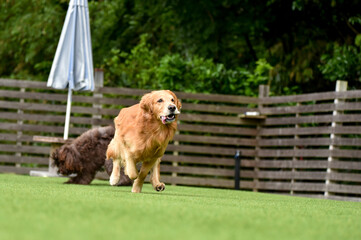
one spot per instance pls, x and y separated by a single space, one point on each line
146 102
71 158
178 103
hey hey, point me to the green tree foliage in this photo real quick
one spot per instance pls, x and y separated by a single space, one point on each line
143 68
343 62
213 44
29 31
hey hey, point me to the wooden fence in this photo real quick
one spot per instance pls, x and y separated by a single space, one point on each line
305 145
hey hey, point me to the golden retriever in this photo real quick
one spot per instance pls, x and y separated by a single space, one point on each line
142 133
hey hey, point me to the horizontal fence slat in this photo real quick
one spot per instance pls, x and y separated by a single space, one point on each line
56 108
122 91
215 119
341 188
346 165
309 130
309 164
311 97
215 140
303 175
63 98
314 108
22 83
295 131
23 159
217 97
217 129
309 153
19 170
209 150
342 118
284 164
15 137
193 96
53 118
40 128
200 107
351 106
284 175
33 95
32 106
310 142
325 107
295 153
341 153
199 160
349 177
24 149
197 170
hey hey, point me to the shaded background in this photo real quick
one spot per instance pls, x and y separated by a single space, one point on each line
228 46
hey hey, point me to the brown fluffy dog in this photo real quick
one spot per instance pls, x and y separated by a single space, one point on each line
142 133
85 156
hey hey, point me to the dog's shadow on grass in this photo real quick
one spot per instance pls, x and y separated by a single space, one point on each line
126 189
175 194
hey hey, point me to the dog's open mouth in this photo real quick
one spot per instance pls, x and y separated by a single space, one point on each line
168 119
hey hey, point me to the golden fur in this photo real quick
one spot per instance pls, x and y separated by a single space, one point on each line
142 135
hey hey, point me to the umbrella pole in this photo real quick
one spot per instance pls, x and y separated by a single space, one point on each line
67 116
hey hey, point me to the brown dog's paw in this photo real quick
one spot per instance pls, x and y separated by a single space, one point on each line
160 187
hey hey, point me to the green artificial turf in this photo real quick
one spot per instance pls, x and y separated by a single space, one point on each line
44 208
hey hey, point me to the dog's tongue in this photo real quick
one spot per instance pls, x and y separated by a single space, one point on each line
163 118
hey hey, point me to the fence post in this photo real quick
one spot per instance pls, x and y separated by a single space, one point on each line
19 134
263 91
98 82
175 153
294 158
341 86
237 166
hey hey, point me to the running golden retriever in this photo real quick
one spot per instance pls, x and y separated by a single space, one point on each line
142 133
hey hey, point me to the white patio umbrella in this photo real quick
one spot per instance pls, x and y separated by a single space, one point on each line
73 62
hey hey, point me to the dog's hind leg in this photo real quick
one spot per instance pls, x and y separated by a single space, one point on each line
115 176
144 170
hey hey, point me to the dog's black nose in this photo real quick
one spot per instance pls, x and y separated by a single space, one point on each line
171 108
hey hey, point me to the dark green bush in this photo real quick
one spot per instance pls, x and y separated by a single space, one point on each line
143 68
343 63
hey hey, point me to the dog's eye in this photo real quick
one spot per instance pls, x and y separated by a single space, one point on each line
172 100
160 100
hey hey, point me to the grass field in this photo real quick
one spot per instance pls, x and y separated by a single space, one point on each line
44 208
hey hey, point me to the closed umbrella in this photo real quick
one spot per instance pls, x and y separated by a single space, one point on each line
73 62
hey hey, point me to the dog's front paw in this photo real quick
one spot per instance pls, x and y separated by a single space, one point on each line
136 189
113 180
160 187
